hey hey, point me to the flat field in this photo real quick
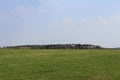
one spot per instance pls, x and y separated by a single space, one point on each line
59 64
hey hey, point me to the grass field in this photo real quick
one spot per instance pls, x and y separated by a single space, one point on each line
59 64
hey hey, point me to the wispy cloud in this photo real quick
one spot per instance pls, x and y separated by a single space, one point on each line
46 5
111 21
84 20
102 20
22 10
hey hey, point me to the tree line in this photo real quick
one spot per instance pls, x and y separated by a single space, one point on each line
56 46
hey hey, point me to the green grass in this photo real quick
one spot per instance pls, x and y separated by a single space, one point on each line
59 64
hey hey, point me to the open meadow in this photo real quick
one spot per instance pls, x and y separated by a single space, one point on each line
26 64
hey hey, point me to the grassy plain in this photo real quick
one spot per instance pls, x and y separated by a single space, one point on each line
59 64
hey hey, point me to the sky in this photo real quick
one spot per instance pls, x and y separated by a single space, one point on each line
24 22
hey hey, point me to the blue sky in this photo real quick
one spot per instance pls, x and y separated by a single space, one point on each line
60 21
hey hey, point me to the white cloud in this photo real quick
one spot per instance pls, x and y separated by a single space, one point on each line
67 21
84 20
22 11
46 5
116 16
102 21
113 20
76 23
